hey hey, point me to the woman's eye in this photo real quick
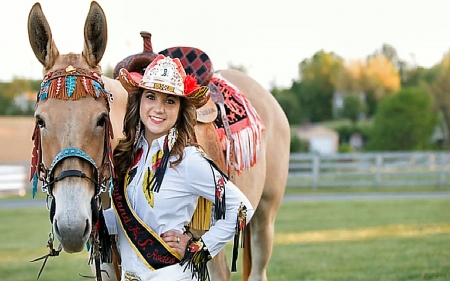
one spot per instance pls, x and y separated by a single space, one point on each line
151 97
170 101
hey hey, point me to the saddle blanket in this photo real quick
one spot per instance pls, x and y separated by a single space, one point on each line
243 146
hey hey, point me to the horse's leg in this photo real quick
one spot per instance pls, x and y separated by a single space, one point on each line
262 225
218 267
261 236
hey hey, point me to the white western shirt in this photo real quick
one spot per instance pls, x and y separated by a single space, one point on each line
175 202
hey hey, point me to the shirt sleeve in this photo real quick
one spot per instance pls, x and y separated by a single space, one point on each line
110 220
200 175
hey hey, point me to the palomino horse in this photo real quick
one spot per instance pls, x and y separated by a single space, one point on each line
81 124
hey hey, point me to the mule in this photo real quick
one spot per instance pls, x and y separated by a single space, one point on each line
80 124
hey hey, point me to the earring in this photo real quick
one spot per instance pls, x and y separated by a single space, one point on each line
138 132
172 136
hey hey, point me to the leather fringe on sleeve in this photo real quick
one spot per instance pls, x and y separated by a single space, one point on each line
195 258
219 181
241 222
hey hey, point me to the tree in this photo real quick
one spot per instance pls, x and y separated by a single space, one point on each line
350 77
316 87
405 121
10 91
353 107
379 80
391 54
440 88
421 77
289 103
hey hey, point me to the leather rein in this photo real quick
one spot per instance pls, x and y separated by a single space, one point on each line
65 84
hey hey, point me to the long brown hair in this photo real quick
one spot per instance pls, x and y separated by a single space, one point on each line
125 152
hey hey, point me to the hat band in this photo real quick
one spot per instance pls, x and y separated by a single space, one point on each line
160 87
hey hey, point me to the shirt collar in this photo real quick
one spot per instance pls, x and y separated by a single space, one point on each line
143 141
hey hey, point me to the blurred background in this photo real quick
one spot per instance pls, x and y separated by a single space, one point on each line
365 86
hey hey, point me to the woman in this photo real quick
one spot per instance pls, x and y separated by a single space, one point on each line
161 172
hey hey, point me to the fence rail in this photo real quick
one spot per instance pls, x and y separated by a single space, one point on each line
370 169
335 170
13 179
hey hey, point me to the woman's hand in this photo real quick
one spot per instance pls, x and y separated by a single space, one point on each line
177 241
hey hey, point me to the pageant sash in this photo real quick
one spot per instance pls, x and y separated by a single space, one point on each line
152 250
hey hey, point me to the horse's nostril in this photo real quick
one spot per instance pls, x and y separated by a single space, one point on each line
87 230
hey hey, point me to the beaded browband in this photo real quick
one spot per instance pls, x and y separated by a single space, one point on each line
72 83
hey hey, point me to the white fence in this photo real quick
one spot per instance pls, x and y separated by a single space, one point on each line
13 179
309 170
370 169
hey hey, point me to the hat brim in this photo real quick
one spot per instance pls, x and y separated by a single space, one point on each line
131 83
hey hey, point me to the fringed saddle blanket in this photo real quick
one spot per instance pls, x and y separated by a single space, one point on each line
243 146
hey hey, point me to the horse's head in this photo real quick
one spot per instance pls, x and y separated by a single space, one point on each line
72 134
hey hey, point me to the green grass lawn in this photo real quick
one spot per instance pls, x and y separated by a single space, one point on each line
23 236
364 189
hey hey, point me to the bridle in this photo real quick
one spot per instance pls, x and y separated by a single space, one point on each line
98 181
70 84
73 152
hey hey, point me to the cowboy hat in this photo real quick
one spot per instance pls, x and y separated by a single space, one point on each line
166 75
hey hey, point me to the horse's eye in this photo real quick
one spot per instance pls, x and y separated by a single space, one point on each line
102 121
40 122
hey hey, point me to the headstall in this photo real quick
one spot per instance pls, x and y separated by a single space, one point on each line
73 83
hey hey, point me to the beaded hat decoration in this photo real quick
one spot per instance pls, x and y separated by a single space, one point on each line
166 75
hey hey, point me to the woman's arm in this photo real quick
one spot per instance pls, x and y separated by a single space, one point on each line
202 178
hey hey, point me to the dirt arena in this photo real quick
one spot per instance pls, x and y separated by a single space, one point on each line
15 139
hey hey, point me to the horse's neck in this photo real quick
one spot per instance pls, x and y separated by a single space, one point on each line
118 107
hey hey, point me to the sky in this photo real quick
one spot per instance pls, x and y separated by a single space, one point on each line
268 38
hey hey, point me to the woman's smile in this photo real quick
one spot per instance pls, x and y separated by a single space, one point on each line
157 120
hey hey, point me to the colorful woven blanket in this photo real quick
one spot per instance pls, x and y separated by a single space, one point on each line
243 146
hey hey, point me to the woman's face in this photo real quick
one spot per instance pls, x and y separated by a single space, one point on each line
158 113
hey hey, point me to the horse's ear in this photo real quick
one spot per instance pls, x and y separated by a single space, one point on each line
95 35
40 37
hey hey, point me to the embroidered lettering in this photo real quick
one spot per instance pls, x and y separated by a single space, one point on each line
165 259
156 253
136 231
144 243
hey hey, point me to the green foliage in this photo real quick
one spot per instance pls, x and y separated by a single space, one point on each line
5 104
405 121
418 76
297 144
346 129
345 148
353 107
10 92
440 88
290 105
317 85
